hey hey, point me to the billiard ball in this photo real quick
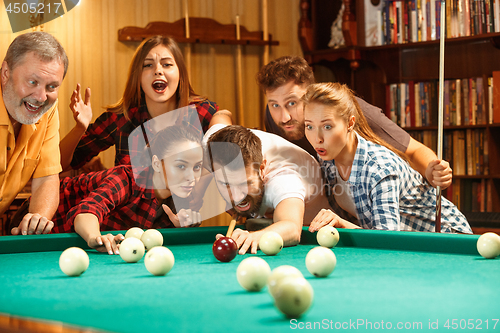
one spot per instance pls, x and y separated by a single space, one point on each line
134 232
278 274
327 236
320 261
159 260
225 249
131 249
294 296
74 261
271 243
151 238
252 273
488 245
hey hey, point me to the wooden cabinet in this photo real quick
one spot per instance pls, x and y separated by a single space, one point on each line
369 70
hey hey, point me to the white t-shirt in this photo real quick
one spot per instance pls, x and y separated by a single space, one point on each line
343 195
290 172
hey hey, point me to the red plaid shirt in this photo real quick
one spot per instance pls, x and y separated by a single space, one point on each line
113 129
114 197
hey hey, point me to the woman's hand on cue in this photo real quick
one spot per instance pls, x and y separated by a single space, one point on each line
439 173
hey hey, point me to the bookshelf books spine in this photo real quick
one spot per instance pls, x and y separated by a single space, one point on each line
496 96
446 100
465 98
470 159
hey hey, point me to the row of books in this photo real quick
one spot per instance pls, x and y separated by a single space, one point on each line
403 21
470 195
465 150
468 101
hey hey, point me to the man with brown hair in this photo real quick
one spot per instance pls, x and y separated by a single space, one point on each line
260 174
31 74
284 81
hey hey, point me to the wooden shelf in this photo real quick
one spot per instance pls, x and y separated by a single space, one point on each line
201 30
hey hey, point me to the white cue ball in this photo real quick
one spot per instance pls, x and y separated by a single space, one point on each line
74 261
159 260
321 261
152 238
131 249
294 296
488 245
278 274
134 232
271 243
327 236
252 273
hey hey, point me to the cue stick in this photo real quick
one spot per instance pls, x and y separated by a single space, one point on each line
186 19
265 56
239 75
232 224
440 109
188 35
265 32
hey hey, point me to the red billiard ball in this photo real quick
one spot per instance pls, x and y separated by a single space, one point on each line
225 249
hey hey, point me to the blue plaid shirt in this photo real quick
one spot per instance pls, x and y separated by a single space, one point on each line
389 194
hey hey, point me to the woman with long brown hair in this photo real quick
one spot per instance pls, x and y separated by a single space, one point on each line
157 83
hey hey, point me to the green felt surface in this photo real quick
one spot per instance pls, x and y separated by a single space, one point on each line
369 286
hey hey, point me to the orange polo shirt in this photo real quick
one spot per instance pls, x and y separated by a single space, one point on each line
34 154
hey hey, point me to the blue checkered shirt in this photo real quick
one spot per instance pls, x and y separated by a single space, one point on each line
389 194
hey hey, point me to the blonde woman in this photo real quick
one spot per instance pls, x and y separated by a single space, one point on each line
371 184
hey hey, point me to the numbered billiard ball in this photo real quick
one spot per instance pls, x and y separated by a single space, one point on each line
278 274
225 249
294 296
159 260
321 261
151 238
327 236
134 232
252 273
131 249
488 245
271 243
74 261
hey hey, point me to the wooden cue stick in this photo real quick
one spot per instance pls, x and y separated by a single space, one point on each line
239 74
440 110
188 35
188 60
265 32
186 17
232 224
265 55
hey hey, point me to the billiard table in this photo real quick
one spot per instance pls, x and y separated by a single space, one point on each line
383 280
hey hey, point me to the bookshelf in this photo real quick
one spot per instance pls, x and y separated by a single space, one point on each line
370 70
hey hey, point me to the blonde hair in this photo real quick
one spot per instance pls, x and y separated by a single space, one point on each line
341 98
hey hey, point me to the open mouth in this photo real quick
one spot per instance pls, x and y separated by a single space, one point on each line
159 86
243 206
321 151
32 108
